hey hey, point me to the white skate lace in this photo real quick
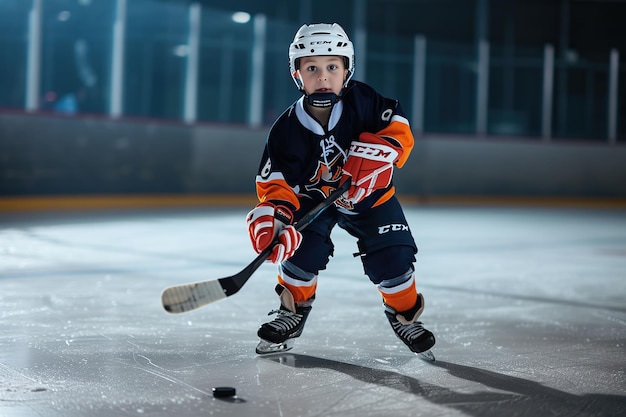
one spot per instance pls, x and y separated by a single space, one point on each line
285 321
408 332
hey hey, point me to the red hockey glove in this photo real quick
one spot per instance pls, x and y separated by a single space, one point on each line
369 165
265 222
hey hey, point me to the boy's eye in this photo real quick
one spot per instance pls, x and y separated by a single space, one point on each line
332 67
311 68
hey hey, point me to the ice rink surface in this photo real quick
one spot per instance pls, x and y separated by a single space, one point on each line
528 306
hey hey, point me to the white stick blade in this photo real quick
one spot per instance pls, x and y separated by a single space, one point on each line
189 297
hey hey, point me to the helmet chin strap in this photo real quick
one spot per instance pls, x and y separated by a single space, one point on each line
322 100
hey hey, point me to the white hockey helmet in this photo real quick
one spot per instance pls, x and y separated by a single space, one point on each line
320 39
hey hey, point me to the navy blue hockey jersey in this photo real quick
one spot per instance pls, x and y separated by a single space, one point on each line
303 159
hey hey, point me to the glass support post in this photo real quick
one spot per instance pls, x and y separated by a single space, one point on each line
193 59
419 78
117 60
258 71
548 93
612 93
33 65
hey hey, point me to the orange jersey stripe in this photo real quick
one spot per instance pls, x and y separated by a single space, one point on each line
276 188
385 197
400 130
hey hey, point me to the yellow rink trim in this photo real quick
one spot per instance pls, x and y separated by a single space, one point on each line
100 202
517 201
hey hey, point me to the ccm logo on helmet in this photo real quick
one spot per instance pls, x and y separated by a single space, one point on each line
394 227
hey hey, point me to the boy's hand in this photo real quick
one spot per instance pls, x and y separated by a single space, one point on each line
265 222
369 165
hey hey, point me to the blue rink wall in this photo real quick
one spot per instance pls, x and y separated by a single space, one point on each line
45 155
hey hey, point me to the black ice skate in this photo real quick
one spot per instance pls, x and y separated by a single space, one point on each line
410 330
278 334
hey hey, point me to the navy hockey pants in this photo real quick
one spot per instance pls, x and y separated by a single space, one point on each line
384 240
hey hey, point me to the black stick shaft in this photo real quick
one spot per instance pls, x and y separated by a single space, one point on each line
237 281
187 297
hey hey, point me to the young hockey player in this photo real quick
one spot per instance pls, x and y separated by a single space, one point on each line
339 130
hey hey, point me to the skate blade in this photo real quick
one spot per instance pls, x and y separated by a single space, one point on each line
264 347
427 356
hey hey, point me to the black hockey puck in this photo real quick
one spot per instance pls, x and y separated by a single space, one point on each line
223 392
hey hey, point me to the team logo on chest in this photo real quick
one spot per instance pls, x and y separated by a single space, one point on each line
328 171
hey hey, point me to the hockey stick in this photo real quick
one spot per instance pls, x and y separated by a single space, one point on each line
187 297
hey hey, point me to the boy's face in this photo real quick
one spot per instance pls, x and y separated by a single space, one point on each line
322 74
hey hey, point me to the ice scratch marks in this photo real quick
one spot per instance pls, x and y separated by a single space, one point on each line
10 373
610 318
16 384
145 364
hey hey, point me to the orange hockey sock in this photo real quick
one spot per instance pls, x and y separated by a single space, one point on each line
400 299
300 293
